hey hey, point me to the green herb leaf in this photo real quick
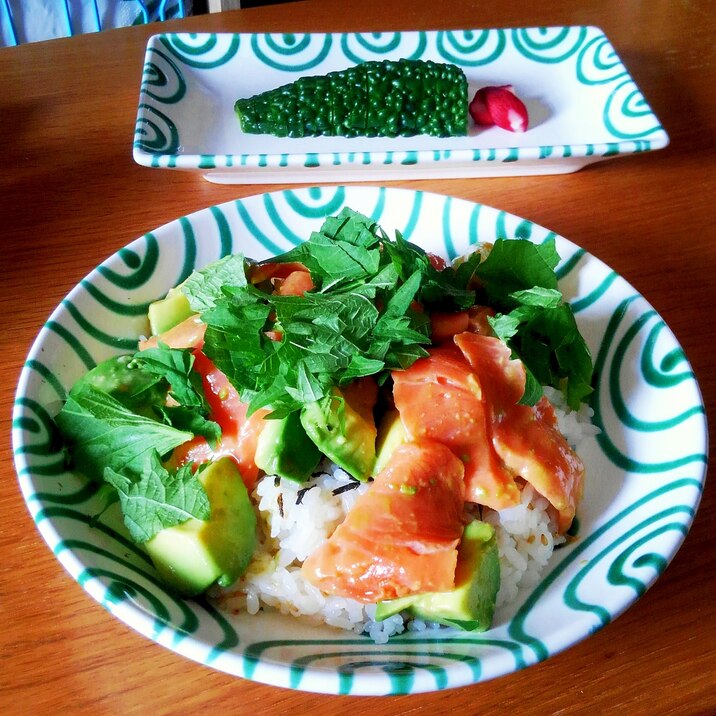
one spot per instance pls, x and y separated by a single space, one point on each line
345 249
100 432
106 496
158 499
189 420
513 266
361 319
538 296
329 337
125 379
439 290
548 341
533 389
204 287
175 366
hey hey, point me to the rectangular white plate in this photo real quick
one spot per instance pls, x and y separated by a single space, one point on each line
583 104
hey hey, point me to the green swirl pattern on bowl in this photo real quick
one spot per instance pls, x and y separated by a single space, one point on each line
584 106
645 470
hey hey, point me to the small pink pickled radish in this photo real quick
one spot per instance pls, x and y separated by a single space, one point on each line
499 106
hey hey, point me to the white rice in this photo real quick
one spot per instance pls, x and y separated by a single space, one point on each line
295 519
575 425
526 538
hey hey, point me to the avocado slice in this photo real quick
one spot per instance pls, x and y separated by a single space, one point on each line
471 604
391 433
192 556
124 379
169 311
284 449
341 433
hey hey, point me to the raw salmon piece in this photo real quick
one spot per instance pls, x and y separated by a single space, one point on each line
441 398
527 438
402 534
239 434
187 334
529 441
502 376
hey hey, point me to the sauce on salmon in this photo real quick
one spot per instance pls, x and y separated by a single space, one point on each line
401 536
466 396
441 398
526 438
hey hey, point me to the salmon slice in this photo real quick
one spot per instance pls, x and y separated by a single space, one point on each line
239 433
527 438
187 334
401 536
441 398
502 376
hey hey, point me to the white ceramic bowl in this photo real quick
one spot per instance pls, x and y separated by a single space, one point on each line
645 471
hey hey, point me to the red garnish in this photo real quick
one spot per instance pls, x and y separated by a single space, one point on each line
499 106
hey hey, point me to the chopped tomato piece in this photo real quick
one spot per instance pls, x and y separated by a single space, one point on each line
239 433
274 335
445 325
401 536
264 272
477 320
295 284
438 262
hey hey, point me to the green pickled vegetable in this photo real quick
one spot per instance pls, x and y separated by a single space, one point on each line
390 98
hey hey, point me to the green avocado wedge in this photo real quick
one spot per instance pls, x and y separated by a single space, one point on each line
391 434
285 449
471 604
192 556
341 433
169 311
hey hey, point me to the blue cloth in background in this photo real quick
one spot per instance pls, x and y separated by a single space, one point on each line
34 20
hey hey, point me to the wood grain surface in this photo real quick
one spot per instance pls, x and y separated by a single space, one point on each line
71 195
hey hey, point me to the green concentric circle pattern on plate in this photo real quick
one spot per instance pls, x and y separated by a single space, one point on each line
645 469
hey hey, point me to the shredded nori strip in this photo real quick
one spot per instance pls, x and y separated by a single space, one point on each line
344 488
280 503
276 481
302 492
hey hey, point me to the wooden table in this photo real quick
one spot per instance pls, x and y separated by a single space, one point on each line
70 195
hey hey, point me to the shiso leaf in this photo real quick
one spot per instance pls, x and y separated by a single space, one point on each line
158 499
